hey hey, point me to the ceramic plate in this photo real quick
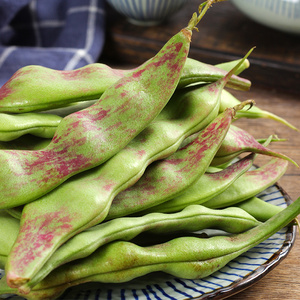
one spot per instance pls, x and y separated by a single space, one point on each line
234 277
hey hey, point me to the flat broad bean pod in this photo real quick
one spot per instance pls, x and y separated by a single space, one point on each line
238 141
9 229
259 209
12 126
250 184
192 218
206 187
184 257
37 88
88 138
228 100
42 124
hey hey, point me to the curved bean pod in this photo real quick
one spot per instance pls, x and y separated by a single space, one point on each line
192 218
44 124
9 229
186 257
259 209
195 71
88 138
166 179
12 126
250 184
228 100
208 186
238 141
36 88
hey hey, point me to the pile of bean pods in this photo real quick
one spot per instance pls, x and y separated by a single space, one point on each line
94 159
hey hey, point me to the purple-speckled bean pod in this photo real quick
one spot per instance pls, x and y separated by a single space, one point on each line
89 137
250 184
238 141
36 88
208 186
166 179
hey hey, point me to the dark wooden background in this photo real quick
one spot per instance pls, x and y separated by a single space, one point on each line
226 34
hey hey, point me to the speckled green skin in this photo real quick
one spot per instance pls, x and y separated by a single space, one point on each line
239 141
84 201
192 218
208 186
88 138
36 88
44 124
166 179
185 257
250 184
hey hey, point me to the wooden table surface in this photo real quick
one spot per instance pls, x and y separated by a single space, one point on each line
274 72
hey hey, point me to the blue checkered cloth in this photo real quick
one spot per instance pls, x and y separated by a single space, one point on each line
59 34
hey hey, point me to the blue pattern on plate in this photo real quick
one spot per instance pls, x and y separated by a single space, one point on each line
162 286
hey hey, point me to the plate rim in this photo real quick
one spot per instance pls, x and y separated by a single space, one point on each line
257 274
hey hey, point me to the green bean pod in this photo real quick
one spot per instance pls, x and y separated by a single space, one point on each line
227 66
37 88
185 257
238 141
228 100
89 137
250 184
192 218
207 186
166 179
259 209
12 126
195 71
9 229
